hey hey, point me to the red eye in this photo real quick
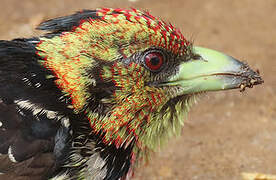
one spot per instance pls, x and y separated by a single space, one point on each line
154 61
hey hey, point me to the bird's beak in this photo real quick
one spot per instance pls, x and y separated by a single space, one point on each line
213 71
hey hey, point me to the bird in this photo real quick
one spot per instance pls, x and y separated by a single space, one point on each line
100 91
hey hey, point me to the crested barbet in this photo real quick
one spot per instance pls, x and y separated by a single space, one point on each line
99 92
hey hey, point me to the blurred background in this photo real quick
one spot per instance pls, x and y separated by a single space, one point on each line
226 132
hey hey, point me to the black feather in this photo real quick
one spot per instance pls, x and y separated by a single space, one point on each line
22 149
66 23
26 138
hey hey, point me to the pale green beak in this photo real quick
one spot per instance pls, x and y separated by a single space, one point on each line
212 72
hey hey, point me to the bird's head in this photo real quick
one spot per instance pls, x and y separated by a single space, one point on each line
132 74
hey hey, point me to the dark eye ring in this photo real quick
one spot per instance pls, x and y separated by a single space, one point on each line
154 60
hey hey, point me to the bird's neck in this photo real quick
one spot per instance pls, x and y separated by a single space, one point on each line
90 157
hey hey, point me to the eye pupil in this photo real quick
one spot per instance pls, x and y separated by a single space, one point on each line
154 61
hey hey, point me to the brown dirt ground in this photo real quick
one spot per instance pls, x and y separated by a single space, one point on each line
227 132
